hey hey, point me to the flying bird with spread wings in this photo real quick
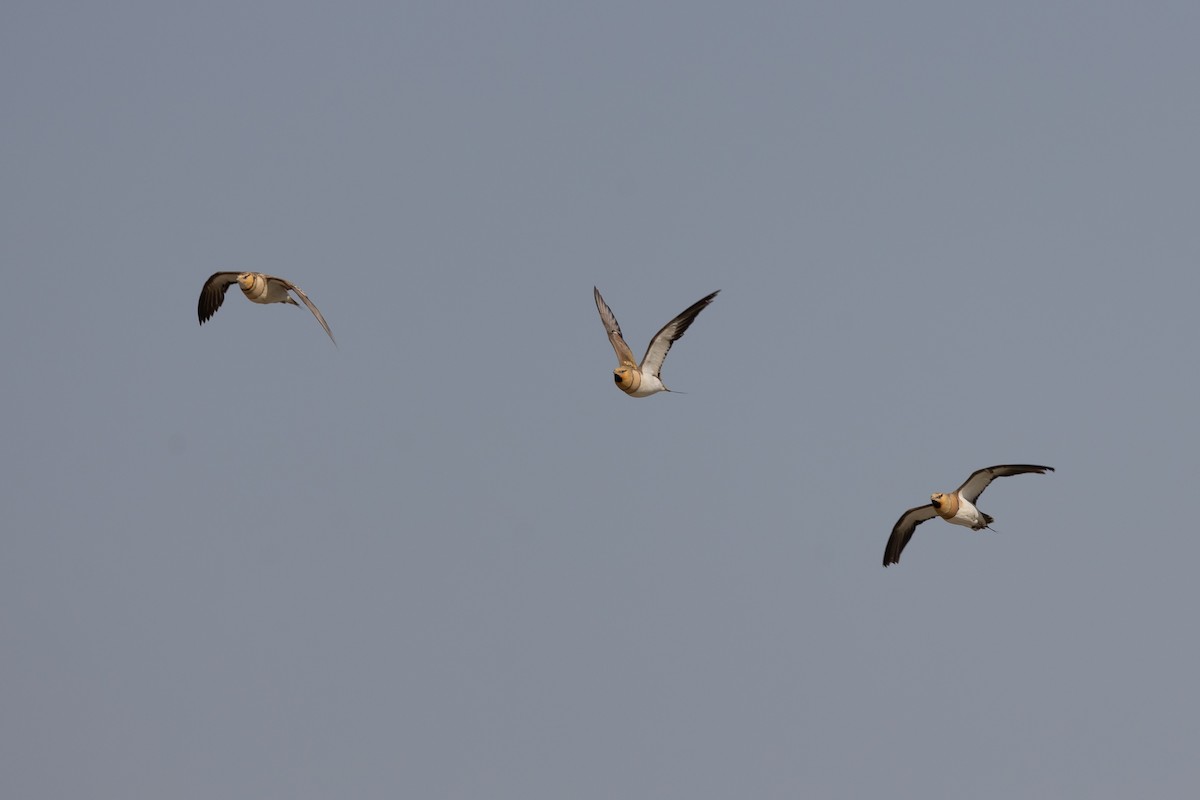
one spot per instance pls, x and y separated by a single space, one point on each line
258 288
957 508
643 380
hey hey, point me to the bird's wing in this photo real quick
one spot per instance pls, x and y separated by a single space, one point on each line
213 294
662 341
624 354
980 478
316 312
903 531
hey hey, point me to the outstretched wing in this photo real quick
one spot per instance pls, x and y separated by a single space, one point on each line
980 478
316 312
624 354
662 341
903 531
213 294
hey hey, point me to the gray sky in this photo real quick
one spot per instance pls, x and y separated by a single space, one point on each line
449 559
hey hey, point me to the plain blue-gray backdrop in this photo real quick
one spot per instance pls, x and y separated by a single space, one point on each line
448 559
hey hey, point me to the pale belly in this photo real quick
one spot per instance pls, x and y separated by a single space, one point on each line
264 291
968 515
650 385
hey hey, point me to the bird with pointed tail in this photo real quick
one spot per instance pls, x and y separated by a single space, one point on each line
957 508
258 288
643 380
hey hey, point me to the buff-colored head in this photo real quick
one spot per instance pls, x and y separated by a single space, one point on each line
246 281
946 505
628 379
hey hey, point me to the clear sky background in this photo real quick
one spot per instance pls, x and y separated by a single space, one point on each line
448 559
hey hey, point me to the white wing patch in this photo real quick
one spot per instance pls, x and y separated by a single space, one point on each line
660 345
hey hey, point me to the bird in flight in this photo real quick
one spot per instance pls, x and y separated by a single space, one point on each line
642 380
258 288
957 507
